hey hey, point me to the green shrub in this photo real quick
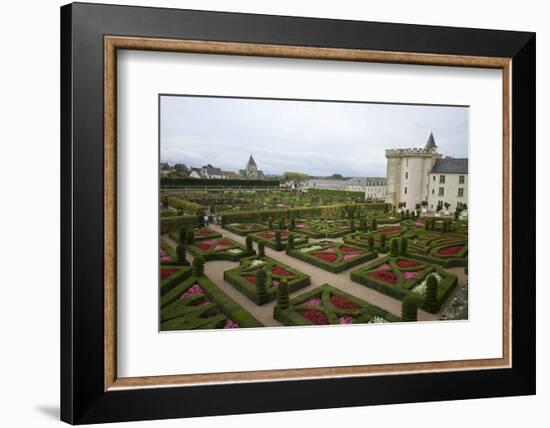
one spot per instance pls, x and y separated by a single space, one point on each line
180 251
261 249
371 243
290 243
407 214
248 241
403 244
261 278
431 293
352 226
282 295
394 247
181 233
189 237
363 224
402 215
270 222
198 266
292 223
222 221
382 240
409 308
374 224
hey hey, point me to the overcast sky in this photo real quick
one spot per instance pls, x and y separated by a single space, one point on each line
316 138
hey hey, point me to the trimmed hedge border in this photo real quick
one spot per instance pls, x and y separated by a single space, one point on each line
446 285
197 237
362 315
211 255
222 301
299 239
237 231
181 274
331 267
170 224
234 278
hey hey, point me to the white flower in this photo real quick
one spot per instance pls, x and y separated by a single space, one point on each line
377 320
309 249
235 251
422 288
256 262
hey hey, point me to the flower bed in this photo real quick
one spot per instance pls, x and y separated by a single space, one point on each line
268 238
399 276
329 305
244 229
328 228
243 278
197 303
332 256
219 249
199 234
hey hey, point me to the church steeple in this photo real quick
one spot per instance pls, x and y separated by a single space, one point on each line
430 144
251 164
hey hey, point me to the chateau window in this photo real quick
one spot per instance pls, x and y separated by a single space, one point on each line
460 179
441 179
441 191
434 177
406 176
405 190
433 191
460 192
406 162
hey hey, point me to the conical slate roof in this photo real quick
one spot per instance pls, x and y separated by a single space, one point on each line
430 144
251 163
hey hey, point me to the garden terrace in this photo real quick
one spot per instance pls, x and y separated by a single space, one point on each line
172 275
329 305
400 276
446 249
323 228
268 237
219 249
197 303
199 234
332 256
244 229
243 278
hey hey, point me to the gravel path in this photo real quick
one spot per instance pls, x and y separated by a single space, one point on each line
215 269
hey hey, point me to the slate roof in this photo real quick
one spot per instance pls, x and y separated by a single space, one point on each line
210 170
450 166
251 163
430 144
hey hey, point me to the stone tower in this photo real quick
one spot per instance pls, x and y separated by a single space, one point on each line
251 167
408 173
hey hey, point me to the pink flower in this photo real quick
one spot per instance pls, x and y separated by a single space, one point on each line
350 256
230 324
194 290
300 225
409 275
345 319
164 256
274 283
221 247
384 266
329 250
314 301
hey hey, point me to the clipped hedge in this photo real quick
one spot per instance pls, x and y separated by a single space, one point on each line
171 224
213 254
185 315
243 229
272 243
169 283
209 182
185 205
404 287
331 267
362 311
296 281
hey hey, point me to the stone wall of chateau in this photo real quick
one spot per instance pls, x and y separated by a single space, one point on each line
450 188
393 180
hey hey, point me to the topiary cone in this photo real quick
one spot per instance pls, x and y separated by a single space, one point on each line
180 251
394 249
261 278
181 234
261 249
282 295
431 293
198 266
371 243
409 308
403 244
249 246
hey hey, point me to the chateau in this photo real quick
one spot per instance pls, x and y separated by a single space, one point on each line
251 170
416 175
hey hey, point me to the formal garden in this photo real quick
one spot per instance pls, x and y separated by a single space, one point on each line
291 259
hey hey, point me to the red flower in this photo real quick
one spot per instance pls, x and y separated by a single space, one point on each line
278 270
316 317
331 258
349 250
391 230
385 276
342 302
406 263
224 242
165 273
204 232
267 235
449 251
250 278
203 246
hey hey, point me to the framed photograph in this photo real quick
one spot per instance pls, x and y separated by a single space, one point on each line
276 213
